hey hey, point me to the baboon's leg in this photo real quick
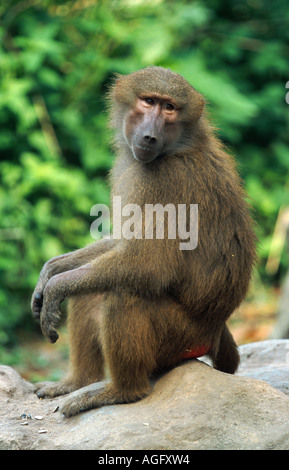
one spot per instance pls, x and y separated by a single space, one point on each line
86 358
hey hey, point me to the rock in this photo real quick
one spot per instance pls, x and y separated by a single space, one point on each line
267 360
12 385
191 407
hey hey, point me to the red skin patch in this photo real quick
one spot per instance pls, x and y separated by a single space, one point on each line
196 352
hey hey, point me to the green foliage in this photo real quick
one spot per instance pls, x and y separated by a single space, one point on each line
55 62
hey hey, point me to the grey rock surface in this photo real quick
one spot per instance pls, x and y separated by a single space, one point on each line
191 407
267 360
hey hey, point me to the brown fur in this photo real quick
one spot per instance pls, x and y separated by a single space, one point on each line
157 300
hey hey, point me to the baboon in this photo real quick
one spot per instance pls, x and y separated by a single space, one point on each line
143 305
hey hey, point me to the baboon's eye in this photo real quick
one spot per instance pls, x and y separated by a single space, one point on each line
149 101
169 107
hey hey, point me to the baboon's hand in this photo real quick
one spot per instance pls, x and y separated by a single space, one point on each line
50 309
52 289
37 300
37 296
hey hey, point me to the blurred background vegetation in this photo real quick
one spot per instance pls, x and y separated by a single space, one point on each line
56 59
